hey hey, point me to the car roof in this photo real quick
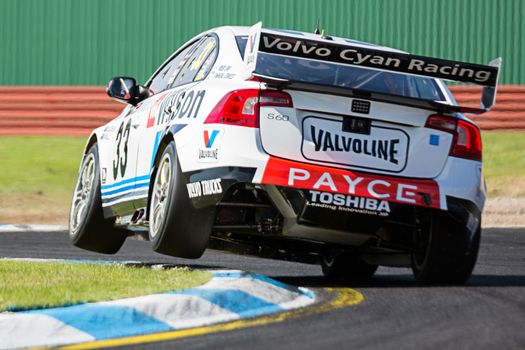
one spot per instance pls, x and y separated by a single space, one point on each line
242 31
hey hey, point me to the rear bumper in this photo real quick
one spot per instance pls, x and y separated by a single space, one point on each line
254 218
424 193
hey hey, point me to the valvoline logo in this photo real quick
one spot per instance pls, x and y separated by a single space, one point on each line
253 39
209 137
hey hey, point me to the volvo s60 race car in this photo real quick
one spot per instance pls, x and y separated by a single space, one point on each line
295 146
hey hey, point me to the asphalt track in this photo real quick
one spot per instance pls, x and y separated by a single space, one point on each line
487 313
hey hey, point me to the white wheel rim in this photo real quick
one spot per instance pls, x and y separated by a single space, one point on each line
82 195
160 196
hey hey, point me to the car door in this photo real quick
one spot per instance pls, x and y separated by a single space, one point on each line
116 156
170 85
168 109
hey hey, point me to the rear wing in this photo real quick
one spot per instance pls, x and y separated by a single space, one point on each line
377 58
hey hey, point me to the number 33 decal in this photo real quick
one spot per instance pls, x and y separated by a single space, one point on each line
121 162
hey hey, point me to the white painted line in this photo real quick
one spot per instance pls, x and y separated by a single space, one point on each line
32 228
24 330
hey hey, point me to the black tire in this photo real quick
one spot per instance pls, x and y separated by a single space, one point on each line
346 268
88 229
180 230
450 251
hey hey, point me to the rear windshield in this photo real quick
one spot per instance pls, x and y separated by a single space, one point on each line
327 73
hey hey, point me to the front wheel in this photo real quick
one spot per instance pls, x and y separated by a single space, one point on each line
176 228
88 229
449 251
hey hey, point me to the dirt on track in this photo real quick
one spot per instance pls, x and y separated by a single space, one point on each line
504 212
33 208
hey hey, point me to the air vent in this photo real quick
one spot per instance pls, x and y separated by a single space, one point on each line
359 106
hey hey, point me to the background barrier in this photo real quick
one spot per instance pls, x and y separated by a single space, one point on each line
55 110
69 110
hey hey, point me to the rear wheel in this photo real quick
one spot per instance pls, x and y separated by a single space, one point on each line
449 251
346 268
88 229
175 227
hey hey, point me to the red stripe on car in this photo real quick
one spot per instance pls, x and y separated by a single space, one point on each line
313 177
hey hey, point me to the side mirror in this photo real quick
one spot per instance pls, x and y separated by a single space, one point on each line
126 90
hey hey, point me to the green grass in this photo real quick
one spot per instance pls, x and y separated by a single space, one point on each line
46 165
37 177
504 163
48 284
504 154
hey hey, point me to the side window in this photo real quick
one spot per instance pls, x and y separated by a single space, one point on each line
199 63
166 76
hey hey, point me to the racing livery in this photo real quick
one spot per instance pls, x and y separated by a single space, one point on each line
295 146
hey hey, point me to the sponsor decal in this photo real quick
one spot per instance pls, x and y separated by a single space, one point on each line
210 152
348 203
223 72
209 137
155 109
204 188
120 162
383 149
196 63
325 140
372 58
177 105
312 177
251 42
434 140
250 52
224 75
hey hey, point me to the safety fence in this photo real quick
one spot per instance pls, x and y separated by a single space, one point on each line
55 110
74 110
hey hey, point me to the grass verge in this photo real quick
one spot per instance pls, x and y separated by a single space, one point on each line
37 178
48 284
504 163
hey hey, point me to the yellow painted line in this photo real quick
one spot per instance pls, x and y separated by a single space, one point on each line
344 297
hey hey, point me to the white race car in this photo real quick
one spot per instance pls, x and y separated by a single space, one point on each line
296 146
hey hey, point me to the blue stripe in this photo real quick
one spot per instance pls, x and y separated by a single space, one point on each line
105 322
126 188
123 182
232 274
155 148
125 196
236 301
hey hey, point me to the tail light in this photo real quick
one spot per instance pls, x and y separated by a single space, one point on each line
241 107
467 137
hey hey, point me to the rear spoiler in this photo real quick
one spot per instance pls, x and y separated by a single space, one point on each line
291 44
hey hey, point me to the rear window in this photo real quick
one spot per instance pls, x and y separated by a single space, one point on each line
327 73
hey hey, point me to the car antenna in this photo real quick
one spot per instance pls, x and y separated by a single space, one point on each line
317 30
